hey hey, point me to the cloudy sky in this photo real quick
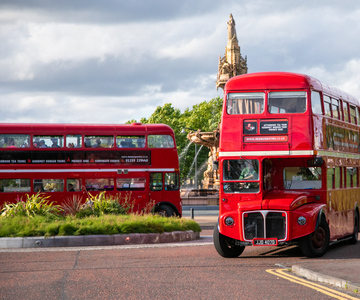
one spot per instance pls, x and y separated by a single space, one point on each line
110 61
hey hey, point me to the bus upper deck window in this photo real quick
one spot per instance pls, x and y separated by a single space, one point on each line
160 141
48 141
316 103
353 114
130 141
74 141
245 103
287 102
97 141
346 111
335 109
14 140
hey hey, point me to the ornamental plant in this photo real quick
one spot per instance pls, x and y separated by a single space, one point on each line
34 205
102 204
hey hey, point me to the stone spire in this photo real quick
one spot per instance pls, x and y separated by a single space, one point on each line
232 63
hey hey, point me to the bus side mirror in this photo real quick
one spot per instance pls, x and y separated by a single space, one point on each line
215 165
316 162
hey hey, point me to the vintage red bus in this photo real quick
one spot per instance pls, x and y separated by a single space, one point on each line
62 160
289 164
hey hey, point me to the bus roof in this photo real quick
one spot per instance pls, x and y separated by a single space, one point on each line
103 129
284 80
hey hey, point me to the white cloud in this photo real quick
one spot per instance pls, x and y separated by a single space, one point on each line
112 63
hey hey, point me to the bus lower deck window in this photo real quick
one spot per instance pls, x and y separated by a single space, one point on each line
303 178
130 184
15 185
99 184
48 185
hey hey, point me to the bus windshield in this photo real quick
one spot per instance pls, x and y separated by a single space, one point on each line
245 103
242 176
287 102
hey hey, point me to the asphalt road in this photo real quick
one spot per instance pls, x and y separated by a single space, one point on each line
190 270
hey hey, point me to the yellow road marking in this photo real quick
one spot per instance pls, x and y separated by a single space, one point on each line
283 273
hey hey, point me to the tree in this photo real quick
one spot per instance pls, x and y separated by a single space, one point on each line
205 116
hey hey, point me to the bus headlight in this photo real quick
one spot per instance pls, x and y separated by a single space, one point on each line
301 220
229 221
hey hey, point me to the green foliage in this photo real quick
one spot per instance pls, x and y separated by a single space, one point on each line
101 214
205 116
20 226
102 203
170 116
34 205
86 212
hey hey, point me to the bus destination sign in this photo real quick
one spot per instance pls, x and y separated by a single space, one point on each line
273 126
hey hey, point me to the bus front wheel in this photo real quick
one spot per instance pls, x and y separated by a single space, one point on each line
225 246
316 243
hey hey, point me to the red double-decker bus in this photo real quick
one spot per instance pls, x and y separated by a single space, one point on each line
61 160
289 164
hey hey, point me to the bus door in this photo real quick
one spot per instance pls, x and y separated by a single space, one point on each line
133 189
156 187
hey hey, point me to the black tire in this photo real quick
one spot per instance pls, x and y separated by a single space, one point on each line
225 246
165 210
354 237
316 243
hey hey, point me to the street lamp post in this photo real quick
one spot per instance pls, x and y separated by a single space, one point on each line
195 179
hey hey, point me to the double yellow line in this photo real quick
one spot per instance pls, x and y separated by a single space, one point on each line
283 273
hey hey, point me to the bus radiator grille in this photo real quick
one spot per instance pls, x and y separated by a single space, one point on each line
275 225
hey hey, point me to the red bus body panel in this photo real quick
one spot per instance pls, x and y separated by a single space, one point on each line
308 136
161 160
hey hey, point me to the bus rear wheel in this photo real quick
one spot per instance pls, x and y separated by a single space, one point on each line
225 246
165 210
354 237
316 243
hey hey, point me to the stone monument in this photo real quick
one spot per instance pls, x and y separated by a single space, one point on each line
232 63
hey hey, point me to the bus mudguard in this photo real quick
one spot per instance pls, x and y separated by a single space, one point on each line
305 220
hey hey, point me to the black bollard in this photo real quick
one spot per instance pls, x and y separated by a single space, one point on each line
192 213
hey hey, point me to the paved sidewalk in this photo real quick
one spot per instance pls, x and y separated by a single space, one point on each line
343 273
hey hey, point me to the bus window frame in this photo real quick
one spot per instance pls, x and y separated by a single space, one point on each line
320 99
237 185
353 117
288 110
246 94
327 106
335 104
346 111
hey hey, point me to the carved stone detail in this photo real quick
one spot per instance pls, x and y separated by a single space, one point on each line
232 63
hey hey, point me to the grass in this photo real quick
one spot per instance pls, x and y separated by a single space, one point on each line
21 226
101 214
